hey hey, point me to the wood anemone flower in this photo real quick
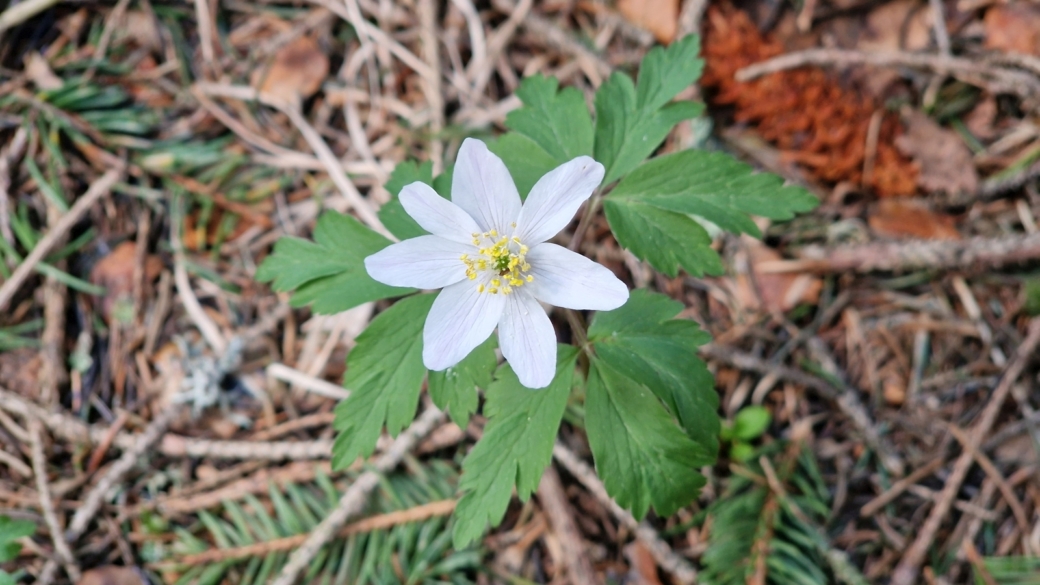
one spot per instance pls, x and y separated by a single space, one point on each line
489 254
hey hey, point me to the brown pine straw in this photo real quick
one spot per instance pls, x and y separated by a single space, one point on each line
380 522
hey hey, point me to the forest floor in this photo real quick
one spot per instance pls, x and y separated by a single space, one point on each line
148 163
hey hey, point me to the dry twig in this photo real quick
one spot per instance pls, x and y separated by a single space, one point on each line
906 572
666 558
353 500
97 189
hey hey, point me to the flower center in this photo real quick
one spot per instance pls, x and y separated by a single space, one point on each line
503 257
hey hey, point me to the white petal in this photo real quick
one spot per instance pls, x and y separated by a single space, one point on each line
423 262
556 197
570 280
481 185
436 214
528 340
459 320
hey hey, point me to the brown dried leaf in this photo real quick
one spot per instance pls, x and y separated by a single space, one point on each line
898 25
40 73
981 120
297 72
771 291
115 272
660 17
1013 28
644 568
111 575
898 218
945 162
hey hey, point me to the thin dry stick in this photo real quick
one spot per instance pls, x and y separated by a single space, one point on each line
906 572
479 72
432 85
1017 510
23 11
144 442
554 502
353 501
996 79
15 464
8 155
380 522
974 253
202 18
477 40
556 37
311 383
663 554
360 205
872 507
72 429
97 189
198 315
40 468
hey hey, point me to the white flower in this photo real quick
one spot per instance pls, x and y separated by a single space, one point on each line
489 254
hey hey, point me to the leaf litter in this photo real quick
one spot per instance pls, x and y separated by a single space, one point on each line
921 348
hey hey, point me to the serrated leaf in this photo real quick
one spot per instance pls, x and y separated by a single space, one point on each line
665 239
715 186
455 389
328 273
643 341
526 161
515 449
643 457
392 214
384 375
633 119
557 121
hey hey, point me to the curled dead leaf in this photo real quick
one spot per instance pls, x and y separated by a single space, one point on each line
40 73
660 17
297 72
1013 28
757 290
115 273
897 218
945 162
112 575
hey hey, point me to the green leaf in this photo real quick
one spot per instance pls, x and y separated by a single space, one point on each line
329 272
392 214
455 389
665 239
643 457
751 422
633 120
643 341
10 531
384 375
551 128
515 449
558 122
715 186
526 161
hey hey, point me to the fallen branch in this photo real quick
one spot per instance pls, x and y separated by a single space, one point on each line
974 253
995 79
